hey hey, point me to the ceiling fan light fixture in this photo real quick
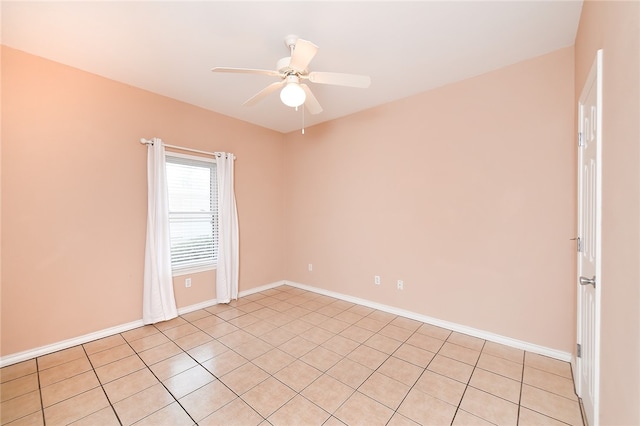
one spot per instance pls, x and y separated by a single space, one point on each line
292 95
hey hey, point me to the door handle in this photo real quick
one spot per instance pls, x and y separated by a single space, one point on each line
587 281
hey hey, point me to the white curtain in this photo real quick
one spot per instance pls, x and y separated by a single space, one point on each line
158 303
228 255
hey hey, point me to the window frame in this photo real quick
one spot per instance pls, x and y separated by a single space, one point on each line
209 266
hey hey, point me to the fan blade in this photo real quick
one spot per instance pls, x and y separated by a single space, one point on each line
303 53
246 71
339 79
263 93
311 102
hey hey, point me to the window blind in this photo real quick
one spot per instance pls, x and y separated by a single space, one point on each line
193 222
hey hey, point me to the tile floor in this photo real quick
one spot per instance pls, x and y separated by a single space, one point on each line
287 356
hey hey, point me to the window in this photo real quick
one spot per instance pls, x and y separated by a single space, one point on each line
193 212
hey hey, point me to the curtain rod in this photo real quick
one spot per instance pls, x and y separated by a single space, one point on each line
182 148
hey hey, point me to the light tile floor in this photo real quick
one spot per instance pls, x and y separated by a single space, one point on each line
287 356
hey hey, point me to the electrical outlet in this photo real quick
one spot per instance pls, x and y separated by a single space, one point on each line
376 280
310 267
400 284
187 282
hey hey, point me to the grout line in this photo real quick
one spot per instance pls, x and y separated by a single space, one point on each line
101 385
521 387
424 369
468 381
44 420
162 383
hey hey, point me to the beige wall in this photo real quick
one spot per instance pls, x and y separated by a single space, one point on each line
614 27
465 192
74 198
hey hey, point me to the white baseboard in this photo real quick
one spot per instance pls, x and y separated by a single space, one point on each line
492 337
262 288
65 344
201 305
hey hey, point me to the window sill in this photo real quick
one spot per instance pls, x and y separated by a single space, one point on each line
192 270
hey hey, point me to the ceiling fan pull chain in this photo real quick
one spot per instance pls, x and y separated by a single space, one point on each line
303 119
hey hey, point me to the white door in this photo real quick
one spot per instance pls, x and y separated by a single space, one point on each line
589 244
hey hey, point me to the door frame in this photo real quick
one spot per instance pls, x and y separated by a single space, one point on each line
594 78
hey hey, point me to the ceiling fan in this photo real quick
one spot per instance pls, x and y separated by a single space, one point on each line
292 70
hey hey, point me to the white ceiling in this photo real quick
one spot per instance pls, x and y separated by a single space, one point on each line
170 47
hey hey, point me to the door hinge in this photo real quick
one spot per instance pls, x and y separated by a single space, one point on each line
580 140
579 350
578 244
